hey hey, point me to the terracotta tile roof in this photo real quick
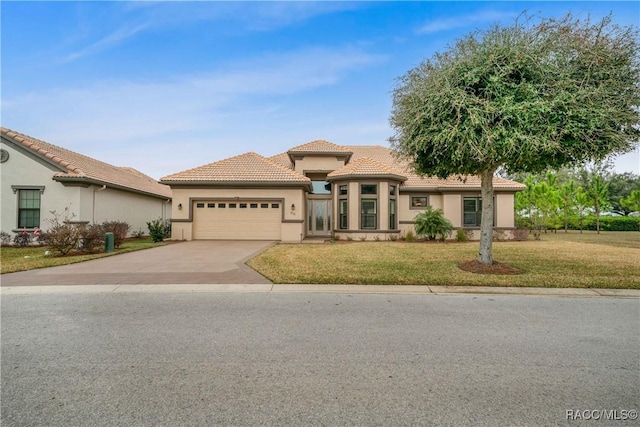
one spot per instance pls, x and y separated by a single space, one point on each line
385 155
78 167
282 159
248 167
366 166
319 146
380 162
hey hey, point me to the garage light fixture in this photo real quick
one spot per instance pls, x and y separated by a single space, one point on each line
180 206
293 206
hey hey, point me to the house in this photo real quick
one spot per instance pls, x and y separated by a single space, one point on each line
325 190
38 177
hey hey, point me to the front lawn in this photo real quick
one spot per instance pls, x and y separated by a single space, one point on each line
14 259
588 260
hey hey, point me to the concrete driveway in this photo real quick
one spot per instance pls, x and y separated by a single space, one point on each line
195 262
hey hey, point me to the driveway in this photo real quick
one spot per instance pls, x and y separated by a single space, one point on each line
195 262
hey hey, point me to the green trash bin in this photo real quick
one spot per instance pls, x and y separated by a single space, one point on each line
109 242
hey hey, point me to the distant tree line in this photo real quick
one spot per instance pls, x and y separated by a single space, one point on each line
577 198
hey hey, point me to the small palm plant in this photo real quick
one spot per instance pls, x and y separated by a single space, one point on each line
433 224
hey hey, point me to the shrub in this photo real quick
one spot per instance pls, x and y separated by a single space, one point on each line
409 236
91 237
462 235
363 238
393 237
499 235
521 234
157 230
120 229
22 239
138 234
62 237
167 228
433 224
5 238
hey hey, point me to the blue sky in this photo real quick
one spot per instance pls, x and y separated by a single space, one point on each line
167 86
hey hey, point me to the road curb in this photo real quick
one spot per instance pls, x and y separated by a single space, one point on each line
315 288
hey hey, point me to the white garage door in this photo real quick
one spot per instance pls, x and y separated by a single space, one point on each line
237 220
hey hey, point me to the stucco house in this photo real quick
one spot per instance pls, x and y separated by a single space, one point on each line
325 190
38 177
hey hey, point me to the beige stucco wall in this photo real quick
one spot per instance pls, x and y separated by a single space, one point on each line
452 208
311 164
291 231
404 204
110 204
505 210
135 209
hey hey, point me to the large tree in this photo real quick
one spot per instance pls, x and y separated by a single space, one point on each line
523 98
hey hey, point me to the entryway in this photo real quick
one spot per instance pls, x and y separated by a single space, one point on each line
319 217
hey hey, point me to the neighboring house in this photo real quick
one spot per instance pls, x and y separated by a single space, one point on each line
38 177
322 189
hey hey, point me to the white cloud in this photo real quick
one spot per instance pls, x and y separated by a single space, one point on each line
184 121
107 42
452 22
160 16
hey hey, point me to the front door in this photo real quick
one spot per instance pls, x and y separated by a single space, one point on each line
319 218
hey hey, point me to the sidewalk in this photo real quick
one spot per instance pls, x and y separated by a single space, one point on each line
336 289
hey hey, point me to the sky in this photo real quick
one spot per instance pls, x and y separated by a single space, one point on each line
168 86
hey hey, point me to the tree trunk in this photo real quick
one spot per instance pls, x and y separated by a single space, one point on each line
485 255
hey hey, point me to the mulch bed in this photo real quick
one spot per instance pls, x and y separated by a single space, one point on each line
496 268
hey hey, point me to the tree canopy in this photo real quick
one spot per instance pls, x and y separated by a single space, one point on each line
522 98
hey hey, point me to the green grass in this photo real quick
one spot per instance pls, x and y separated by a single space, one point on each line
32 257
588 260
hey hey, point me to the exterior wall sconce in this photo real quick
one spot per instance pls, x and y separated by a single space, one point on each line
293 206
179 206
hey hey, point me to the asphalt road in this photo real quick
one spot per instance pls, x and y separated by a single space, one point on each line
240 359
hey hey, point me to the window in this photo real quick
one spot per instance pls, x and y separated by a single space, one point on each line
418 202
243 205
343 214
275 205
368 189
392 190
320 187
368 214
211 205
472 215
232 205
392 214
28 208
254 205
264 205
342 190
222 205
199 205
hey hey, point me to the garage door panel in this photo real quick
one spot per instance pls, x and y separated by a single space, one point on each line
239 223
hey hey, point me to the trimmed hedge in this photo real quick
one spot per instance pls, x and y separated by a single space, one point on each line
612 223
607 223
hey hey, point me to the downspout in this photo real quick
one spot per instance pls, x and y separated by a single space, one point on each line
164 209
93 219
